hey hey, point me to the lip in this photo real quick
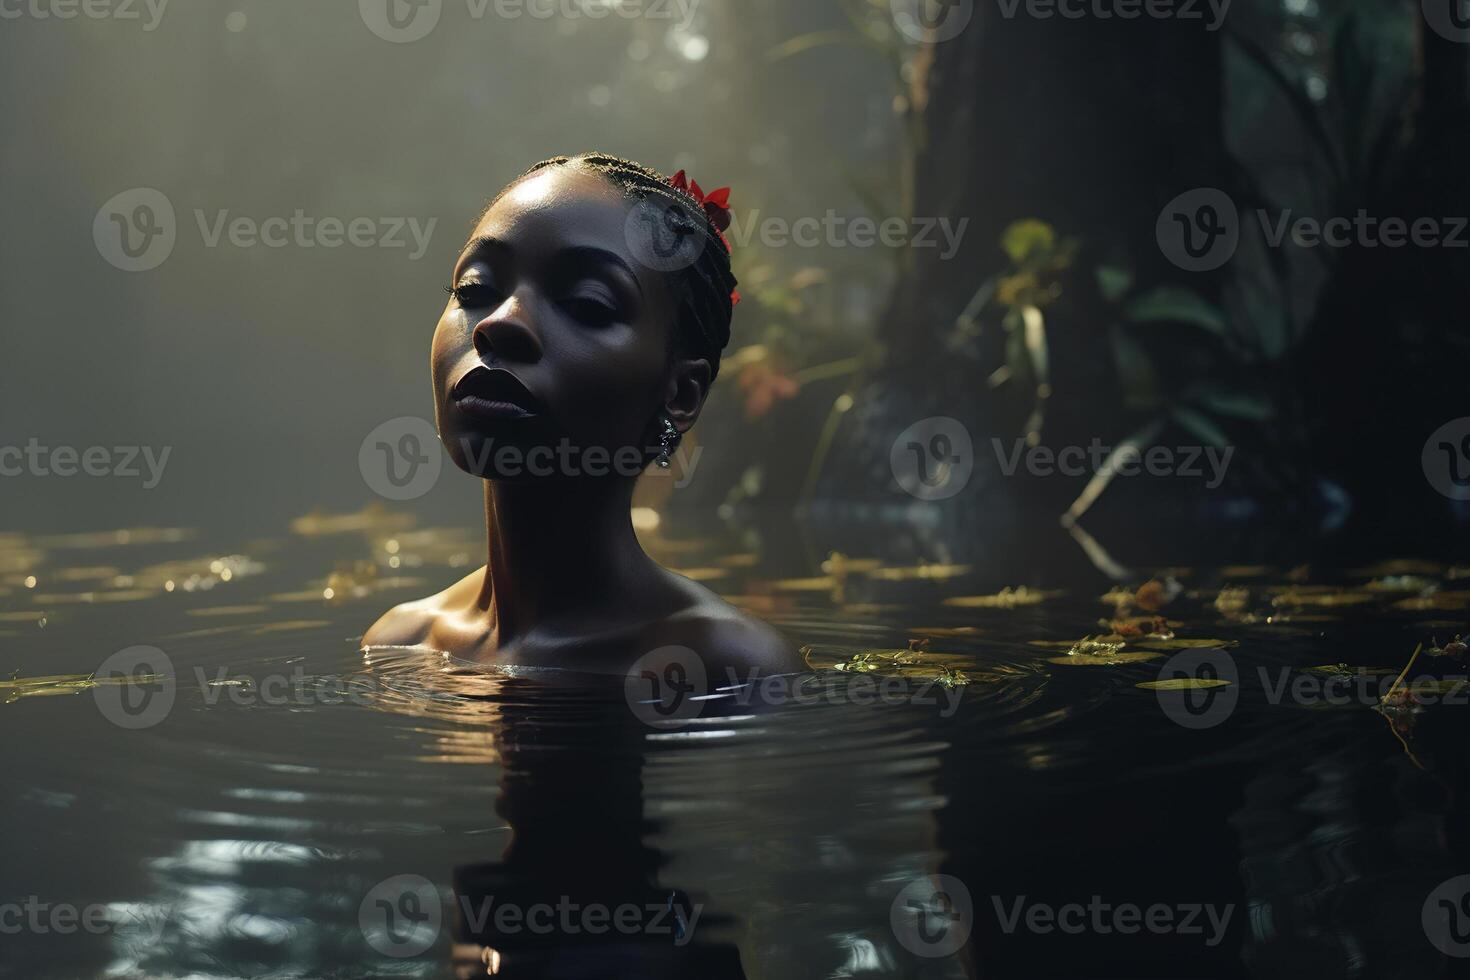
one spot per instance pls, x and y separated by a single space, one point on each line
494 394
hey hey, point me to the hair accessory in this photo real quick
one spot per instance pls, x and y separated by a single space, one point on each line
716 205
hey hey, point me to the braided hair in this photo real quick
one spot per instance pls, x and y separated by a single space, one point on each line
703 290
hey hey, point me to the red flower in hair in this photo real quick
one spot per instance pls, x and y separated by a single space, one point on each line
716 205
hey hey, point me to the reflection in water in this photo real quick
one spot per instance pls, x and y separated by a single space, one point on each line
577 888
252 829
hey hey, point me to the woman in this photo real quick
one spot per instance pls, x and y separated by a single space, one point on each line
584 327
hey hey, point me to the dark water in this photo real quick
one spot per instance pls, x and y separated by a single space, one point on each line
287 806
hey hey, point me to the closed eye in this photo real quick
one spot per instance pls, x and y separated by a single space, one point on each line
592 305
474 295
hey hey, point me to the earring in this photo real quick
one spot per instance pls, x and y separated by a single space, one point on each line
667 440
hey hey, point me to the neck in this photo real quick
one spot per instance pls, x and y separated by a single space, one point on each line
555 547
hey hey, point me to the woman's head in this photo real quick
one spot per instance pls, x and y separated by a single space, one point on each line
590 304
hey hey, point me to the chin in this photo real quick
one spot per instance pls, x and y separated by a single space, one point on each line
529 454
498 451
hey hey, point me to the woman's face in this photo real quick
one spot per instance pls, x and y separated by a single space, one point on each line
552 355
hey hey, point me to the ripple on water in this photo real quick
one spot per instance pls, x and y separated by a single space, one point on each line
1000 735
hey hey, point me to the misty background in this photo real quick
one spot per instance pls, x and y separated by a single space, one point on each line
264 368
1055 148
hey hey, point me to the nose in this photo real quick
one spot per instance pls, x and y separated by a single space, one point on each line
506 333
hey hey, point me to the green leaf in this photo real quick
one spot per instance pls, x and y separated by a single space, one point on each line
1268 318
1024 238
1176 304
1200 425
1135 370
1114 282
1251 405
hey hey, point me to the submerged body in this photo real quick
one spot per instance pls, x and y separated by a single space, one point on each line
608 638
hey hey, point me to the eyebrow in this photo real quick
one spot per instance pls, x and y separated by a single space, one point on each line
587 253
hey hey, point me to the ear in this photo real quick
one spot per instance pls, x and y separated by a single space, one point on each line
684 395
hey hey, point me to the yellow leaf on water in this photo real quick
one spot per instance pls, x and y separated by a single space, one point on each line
1006 598
1088 644
248 609
45 681
1347 670
948 631
1104 659
1402 583
1178 643
907 573
11 693
1305 596
1183 684
1401 566
821 584
51 685
911 664
1441 601
1245 571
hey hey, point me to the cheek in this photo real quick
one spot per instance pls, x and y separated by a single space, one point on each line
613 387
447 347
445 351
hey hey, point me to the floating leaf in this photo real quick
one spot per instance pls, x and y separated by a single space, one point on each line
56 684
1403 583
947 631
839 564
910 572
1323 595
1400 566
1154 594
821 584
1094 647
1343 670
1245 571
248 609
1183 684
908 664
1006 598
1447 601
1104 659
1178 643
1151 626
1232 600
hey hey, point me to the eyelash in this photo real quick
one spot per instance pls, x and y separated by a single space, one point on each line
586 308
590 310
464 292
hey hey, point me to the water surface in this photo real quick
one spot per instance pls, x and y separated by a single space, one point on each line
969 782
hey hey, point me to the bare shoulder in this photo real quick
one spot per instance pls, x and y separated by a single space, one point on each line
410 623
724 637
